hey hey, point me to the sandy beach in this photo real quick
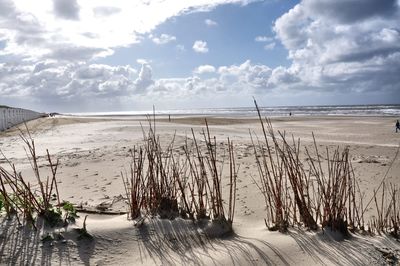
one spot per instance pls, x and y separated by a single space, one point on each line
212 132
93 151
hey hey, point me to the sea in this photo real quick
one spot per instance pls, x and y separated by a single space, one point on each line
276 111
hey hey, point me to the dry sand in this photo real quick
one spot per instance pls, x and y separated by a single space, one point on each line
93 152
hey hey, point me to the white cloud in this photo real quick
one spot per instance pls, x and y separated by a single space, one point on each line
52 83
59 85
290 28
105 11
204 69
144 79
246 75
200 47
281 76
343 11
210 23
49 82
66 9
263 39
243 79
269 46
180 47
345 46
163 39
143 61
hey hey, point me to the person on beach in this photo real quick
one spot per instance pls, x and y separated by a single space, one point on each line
397 125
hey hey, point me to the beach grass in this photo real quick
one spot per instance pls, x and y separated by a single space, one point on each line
163 183
32 201
320 190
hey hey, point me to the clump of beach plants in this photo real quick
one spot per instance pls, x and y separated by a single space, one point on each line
284 183
305 196
320 189
33 200
163 183
387 218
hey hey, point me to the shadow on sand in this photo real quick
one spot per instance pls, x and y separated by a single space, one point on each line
327 247
23 245
181 242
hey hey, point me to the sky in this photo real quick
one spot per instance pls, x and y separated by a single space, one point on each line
103 55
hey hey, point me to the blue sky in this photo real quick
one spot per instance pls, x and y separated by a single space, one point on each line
76 55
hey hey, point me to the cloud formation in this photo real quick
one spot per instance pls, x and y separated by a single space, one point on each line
269 46
200 47
204 69
105 11
263 39
351 50
144 79
345 11
163 39
269 42
66 9
210 23
49 82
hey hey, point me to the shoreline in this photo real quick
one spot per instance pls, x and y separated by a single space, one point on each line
339 110
226 115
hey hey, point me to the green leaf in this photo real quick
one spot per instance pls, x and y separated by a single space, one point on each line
68 207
